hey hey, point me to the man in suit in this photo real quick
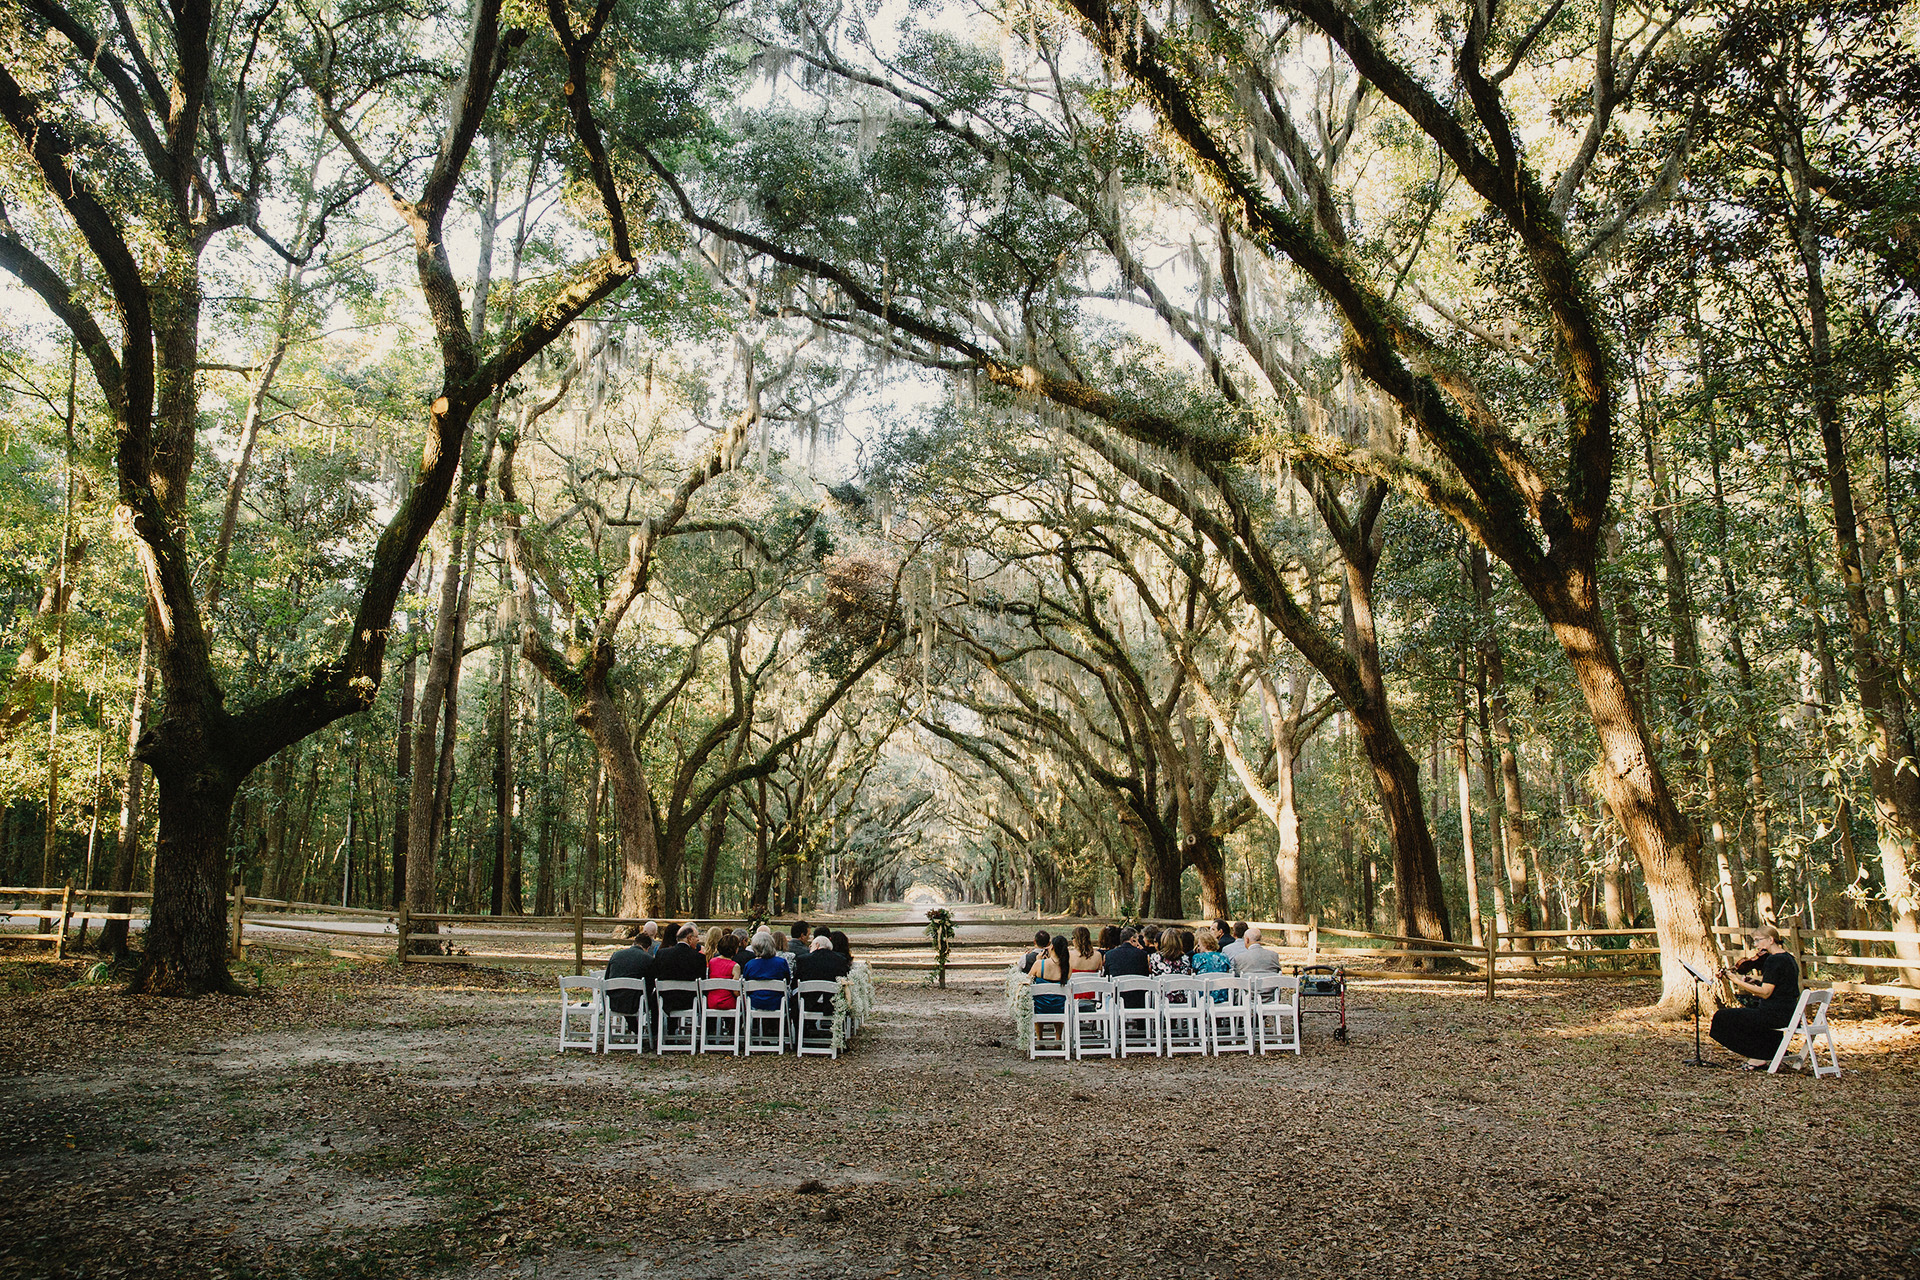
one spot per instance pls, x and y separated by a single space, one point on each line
632 961
1127 961
1254 958
1231 950
681 962
800 941
821 964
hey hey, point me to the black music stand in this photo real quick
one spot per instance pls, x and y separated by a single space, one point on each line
1699 979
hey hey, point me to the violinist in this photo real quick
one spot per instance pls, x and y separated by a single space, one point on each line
1772 976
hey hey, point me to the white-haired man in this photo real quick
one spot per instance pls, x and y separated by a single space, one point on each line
1254 958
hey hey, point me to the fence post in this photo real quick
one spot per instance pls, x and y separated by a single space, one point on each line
400 926
239 917
579 936
1313 939
1493 952
66 916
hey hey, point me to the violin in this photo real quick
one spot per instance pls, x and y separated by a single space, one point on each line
1750 964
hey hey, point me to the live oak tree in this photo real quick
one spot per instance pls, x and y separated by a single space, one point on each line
140 140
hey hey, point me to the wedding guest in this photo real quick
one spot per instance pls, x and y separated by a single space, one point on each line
767 965
1086 958
1168 960
1050 969
1109 937
842 945
1253 958
1127 960
1207 957
1187 940
1232 947
1041 941
681 962
631 961
723 965
780 945
822 963
802 939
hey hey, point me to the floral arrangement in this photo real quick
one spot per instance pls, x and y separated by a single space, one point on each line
852 1005
940 928
1020 1003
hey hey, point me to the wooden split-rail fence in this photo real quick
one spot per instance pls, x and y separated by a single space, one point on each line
578 939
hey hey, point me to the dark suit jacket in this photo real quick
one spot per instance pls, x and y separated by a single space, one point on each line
630 962
820 966
1127 961
678 963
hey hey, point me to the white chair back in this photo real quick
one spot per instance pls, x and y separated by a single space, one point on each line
814 1026
766 1028
1276 1012
1138 1016
1052 1031
582 1005
625 1031
722 1030
676 1030
1183 1023
1810 1024
1091 1001
1229 1013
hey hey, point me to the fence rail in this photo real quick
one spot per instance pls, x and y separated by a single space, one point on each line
1502 956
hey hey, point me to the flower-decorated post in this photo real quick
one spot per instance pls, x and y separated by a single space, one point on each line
940 929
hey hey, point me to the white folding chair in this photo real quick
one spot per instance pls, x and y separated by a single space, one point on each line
1810 1024
1059 1044
722 1030
1139 1023
580 1001
1091 1001
766 1028
1183 1023
1229 1013
813 1019
676 1029
1276 1012
616 1032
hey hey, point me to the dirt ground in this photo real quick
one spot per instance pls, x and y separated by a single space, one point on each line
356 1120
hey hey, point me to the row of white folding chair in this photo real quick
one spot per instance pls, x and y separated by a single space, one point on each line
1169 1016
698 1025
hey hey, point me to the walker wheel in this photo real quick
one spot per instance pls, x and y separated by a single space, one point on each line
1340 1034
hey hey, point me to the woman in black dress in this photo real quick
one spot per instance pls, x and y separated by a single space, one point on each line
1754 1031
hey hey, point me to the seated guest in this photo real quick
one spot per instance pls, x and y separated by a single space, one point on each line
802 939
1207 959
723 965
780 944
1187 940
768 964
842 945
1041 941
1050 969
1254 958
1127 960
1754 1031
681 962
1085 957
821 964
632 961
1109 937
1221 931
1230 947
1150 938
1168 960
714 934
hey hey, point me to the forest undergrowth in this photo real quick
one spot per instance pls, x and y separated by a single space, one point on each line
360 1120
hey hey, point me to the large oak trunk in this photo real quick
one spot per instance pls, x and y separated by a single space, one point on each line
1662 838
